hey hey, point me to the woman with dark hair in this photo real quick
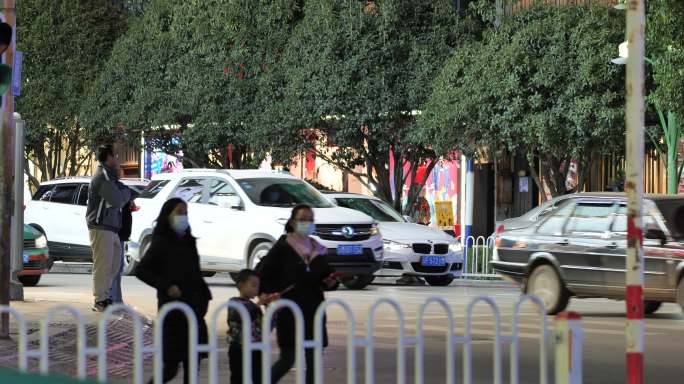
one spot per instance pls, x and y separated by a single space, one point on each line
296 268
171 265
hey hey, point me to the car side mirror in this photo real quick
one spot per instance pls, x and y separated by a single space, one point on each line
656 234
234 203
409 219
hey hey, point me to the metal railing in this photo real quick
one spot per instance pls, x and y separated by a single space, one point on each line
477 255
568 340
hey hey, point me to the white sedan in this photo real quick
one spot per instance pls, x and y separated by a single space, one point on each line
410 249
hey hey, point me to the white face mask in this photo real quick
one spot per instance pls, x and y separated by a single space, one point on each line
180 224
305 228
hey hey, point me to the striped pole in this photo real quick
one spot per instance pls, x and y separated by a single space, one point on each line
634 187
569 340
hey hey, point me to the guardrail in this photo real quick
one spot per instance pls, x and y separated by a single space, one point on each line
477 254
567 337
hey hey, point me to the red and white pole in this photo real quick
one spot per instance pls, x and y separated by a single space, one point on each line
634 187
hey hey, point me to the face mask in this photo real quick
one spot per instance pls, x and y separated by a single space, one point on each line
179 224
305 228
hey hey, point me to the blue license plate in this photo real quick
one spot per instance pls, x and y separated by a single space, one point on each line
350 249
433 261
25 258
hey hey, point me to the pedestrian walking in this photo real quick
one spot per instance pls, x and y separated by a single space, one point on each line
116 295
172 266
248 285
297 269
106 196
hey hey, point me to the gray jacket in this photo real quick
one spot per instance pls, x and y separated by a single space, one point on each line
106 196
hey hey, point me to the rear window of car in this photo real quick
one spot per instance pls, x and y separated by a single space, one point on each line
152 189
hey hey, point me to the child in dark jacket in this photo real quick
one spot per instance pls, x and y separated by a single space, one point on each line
248 286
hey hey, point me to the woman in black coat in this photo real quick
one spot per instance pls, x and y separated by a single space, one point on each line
171 265
296 268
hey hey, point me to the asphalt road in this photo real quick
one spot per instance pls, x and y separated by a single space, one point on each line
603 324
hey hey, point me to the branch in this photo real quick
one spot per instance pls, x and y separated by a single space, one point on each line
359 176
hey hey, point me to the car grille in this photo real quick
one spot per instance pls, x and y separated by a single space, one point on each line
441 249
29 244
392 265
365 258
333 232
429 269
422 248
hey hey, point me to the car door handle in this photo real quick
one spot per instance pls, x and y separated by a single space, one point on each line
612 245
208 222
563 242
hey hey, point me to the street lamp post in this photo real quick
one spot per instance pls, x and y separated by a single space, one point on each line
634 187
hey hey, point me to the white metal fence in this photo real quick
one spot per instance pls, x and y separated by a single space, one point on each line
568 340
477 254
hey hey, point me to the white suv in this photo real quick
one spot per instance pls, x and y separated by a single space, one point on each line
237 215
58 210
410 249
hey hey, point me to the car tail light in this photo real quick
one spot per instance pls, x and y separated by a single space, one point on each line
497 239
134 207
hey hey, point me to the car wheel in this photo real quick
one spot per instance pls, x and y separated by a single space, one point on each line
258 253
29 280
545 283
439 281
357 281
651 306
680 293
130 263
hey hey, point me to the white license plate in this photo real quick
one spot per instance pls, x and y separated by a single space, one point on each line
433 261
350 249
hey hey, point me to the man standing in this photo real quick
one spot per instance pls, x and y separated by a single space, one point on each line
106 196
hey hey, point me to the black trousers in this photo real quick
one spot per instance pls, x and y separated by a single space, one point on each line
170 370
287 360
235 360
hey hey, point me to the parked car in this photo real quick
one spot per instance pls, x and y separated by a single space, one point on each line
36 258
535 214
58 211
410 249
237 215
579 250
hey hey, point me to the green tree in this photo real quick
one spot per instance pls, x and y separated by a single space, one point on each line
66 43
197 67
356 75
542 85
665 49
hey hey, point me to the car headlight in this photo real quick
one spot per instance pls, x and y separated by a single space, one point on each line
455 248
41 242
374 230
394 246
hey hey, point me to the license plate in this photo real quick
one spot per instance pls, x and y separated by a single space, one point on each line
350 249
433 261
25 258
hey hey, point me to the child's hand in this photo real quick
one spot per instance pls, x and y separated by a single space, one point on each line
331 280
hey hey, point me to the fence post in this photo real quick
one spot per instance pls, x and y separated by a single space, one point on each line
569 348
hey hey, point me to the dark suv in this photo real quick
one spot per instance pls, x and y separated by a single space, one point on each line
579 250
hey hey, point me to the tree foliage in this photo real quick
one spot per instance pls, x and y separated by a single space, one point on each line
542 84
355 75
665 48
66 44
199 68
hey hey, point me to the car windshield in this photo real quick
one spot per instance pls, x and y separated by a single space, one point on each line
378 210
282 192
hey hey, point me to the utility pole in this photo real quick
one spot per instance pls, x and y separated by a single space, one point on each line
6 175
634 187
